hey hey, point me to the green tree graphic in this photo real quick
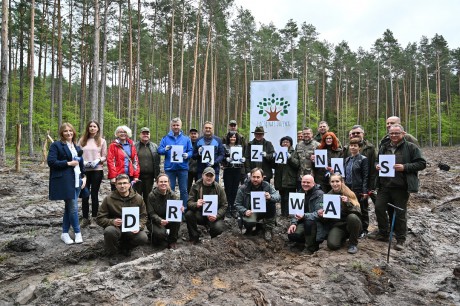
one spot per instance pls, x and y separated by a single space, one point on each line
272 106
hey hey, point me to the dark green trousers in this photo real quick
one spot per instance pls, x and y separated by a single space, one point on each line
398 197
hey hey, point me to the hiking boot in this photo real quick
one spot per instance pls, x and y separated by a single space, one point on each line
78 238
399 246
377 235
352 249
66 238
84 222
363 234
268 236
248 232
307 252
92 223
113 261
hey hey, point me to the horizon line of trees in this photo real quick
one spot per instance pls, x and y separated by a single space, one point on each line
143 63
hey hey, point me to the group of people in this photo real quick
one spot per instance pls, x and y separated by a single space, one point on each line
133 168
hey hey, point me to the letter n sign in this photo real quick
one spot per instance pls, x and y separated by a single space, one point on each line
130 219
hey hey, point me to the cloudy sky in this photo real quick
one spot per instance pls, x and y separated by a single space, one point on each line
361 22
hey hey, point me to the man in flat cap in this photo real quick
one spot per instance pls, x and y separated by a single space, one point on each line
267 154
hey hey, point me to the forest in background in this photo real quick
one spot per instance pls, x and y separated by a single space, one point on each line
141 63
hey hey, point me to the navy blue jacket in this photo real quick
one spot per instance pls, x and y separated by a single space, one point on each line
62 176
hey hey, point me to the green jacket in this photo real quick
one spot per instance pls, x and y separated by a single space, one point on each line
243 196
286 174
267 161
303 152
410 155
113 203
199 189
156 206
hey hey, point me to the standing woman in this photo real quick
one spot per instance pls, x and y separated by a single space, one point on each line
331 143
286 175
95 154
67 177
349 226
156 208
122 156
233 170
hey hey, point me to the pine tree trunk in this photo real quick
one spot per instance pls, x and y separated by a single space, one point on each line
4 80
31 76
95 77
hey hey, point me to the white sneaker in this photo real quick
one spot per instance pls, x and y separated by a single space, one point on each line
78 238
66 238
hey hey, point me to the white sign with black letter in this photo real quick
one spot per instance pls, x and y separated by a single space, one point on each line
173 211
207 155
331 206
296 203
130 219
236 153
176 154
321 158
256 153
281 155
258 203
387 163
210 205
337 166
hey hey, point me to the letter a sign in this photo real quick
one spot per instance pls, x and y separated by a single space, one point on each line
331 206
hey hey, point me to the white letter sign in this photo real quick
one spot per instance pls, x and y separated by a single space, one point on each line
210 205
281 155
331 206
321 158
207 155
258 203
176 154
337 166
236 153
256 153
296 203
173 211
130 219
387 163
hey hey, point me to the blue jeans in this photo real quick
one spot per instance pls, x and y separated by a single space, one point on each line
71 214
182 177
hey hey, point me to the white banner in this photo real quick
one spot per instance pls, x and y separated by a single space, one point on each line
274 107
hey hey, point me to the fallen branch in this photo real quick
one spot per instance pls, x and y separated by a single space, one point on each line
444 203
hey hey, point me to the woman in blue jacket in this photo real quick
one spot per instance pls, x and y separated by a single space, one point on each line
67 178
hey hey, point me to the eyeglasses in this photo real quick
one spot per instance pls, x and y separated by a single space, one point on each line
395 134
328 138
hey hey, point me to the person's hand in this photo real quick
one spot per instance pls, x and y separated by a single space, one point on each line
377 167
200 149
268 196
168 147
229 159
212 218
249 175
199 203
95 163
88 165
263 153
399 167
134 232
288 155
242 160
117 222
344 199
248 213
312 157
72 163
320 212
299 217
184 155
292 229
163 222
83 182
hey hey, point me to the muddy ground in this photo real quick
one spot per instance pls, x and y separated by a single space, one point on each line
37 268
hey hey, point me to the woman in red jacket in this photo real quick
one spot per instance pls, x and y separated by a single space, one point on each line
122 156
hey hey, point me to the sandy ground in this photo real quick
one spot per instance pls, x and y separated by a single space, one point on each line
37 268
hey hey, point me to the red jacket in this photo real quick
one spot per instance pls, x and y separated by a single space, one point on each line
116 160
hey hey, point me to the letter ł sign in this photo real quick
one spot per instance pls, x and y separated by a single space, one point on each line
258 203
236 153
387 163
176 154
281 155
207 155
256 153
130 219
321 158
331 206
173 211
296 203
210 205
337 166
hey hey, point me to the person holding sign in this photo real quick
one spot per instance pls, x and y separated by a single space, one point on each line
395 190
233 168
286 174
176 167
246 204
204 211
331 143
307 228
349 225
205 157
156 208
110 218
259 153
356 178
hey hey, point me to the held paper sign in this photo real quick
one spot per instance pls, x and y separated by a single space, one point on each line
130 219
210 205
281 155
207 155
176 154
331 206
321 158
236 153
337 166
258 203
256 153
387 163
173 211
296 203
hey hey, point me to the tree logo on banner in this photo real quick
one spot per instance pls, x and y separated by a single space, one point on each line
272 106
